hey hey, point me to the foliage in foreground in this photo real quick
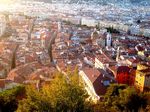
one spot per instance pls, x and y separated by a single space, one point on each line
9 98
65 94
124 98
62 95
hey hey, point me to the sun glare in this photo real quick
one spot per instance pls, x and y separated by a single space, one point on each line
5 1
5 4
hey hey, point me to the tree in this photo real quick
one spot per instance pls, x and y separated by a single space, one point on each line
60 96
112 94
112 30
67 96
34 102
124 98
138 21
147 95
9 98
136 102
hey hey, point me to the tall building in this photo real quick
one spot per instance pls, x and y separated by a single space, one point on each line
108 40
94 36
2 25
45 38
43 41
142 79
59 26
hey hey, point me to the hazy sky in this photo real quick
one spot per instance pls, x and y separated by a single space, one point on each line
6 1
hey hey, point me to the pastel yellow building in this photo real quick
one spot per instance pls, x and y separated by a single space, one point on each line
142 79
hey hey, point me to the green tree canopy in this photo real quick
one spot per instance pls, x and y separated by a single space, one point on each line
62 95
124 98
112 30
9 98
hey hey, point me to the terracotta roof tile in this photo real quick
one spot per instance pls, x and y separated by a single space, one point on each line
97 79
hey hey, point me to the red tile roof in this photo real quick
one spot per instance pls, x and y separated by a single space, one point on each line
97 79
22 73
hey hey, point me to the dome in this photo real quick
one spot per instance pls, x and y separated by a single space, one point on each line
95 35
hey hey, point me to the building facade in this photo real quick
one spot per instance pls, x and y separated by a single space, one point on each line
142 79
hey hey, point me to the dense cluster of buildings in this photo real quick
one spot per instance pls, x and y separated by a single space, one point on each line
101 58
31 57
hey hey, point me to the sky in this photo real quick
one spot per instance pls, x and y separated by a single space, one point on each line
6 1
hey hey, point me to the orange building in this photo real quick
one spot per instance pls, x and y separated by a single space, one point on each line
125 75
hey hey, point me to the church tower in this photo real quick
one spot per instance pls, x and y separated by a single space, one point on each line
94 36
108 40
